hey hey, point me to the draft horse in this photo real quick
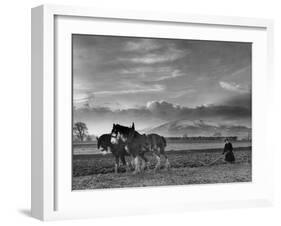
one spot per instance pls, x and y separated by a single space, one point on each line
105 146
135 143
118 151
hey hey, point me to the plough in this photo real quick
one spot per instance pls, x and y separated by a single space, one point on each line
211 163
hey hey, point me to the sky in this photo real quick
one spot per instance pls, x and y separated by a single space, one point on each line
153 81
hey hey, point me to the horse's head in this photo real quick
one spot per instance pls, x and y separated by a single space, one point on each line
103 143
122 134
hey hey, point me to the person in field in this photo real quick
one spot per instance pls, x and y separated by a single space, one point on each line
228 152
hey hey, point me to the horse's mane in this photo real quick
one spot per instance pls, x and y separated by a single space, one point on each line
105 135
123 129
137 134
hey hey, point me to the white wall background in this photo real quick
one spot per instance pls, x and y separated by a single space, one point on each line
15 111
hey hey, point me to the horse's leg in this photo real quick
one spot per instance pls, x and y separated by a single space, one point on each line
124 163
145 160
158 159
136 163
143 164
123 160
128 166
167 163
132 162
116 164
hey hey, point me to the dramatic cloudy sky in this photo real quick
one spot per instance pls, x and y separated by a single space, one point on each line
153 81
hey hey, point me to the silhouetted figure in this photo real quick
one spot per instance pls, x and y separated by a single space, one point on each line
228 152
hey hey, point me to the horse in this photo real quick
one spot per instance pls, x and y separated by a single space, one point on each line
157 144
118 150
135 143
105 146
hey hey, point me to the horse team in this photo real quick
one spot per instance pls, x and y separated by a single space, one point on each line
126 141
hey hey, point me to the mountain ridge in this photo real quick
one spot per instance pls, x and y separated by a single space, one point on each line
198 128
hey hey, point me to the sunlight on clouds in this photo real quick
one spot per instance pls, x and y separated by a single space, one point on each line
233 87
142 45
153 88
88 99
147 69
80 98
174 74
168 55
182 93
154 58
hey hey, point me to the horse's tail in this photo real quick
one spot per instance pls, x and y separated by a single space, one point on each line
164 141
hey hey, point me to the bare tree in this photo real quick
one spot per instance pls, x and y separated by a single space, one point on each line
80 130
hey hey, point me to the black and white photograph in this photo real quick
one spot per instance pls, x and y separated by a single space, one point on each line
159 112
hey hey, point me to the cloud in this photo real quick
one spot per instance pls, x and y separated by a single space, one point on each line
174 74
153 88
242 100
84 99
168 54
182 93
101 65
133 71
233 87
168 112
142 45
161 108
154 58
80 98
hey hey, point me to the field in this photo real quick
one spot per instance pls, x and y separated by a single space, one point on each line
89 148
187 167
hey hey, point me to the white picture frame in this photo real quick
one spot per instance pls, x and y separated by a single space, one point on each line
51 196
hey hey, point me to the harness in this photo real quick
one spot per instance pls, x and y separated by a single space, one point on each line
114 136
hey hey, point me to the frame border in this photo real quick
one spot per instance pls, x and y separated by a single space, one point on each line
43 146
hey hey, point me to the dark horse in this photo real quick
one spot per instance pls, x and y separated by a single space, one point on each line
118 150
135 143
157 144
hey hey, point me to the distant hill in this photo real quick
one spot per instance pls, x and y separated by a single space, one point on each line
189 128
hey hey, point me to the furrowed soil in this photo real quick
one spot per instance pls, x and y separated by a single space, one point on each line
187 167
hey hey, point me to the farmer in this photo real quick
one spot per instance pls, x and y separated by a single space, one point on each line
228 152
